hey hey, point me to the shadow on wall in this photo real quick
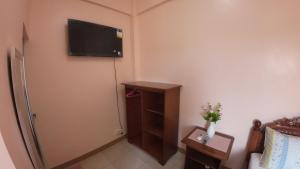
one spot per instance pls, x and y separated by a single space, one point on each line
186 130
237 155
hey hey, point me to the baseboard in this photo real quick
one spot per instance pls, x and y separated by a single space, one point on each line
87 155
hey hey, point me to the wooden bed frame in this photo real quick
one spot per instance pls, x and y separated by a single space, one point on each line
257 133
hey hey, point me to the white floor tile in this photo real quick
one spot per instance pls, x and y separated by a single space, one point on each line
97 161
109 167
116 152
128 162
146 166
126 156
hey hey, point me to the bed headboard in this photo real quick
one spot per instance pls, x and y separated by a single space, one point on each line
257 133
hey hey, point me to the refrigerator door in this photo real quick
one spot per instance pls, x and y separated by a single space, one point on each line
24 115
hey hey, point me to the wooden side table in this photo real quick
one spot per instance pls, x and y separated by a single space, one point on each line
209 155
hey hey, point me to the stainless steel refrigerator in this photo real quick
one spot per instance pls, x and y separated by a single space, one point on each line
24 116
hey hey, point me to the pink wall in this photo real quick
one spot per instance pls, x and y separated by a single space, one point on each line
12 152
143 5
121 5
74 97
244 54
5 159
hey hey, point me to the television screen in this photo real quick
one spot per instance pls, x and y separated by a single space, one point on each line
89 39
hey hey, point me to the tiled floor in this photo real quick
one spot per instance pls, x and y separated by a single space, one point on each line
126 156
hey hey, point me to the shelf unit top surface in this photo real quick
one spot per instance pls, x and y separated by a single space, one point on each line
153 85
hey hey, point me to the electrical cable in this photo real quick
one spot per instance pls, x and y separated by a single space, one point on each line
117 95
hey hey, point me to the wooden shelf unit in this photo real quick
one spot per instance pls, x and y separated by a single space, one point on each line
152 117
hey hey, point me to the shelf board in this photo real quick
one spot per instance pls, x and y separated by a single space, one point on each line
154 131
155 112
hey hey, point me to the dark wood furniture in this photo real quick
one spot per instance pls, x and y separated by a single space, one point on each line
209 155
152 117
257 133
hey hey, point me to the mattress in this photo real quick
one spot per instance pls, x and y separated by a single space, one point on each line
255 161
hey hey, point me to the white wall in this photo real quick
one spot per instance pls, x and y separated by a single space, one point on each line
74 97
244 54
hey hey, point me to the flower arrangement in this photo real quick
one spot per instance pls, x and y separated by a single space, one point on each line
212 113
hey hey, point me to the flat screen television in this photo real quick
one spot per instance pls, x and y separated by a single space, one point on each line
90 39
